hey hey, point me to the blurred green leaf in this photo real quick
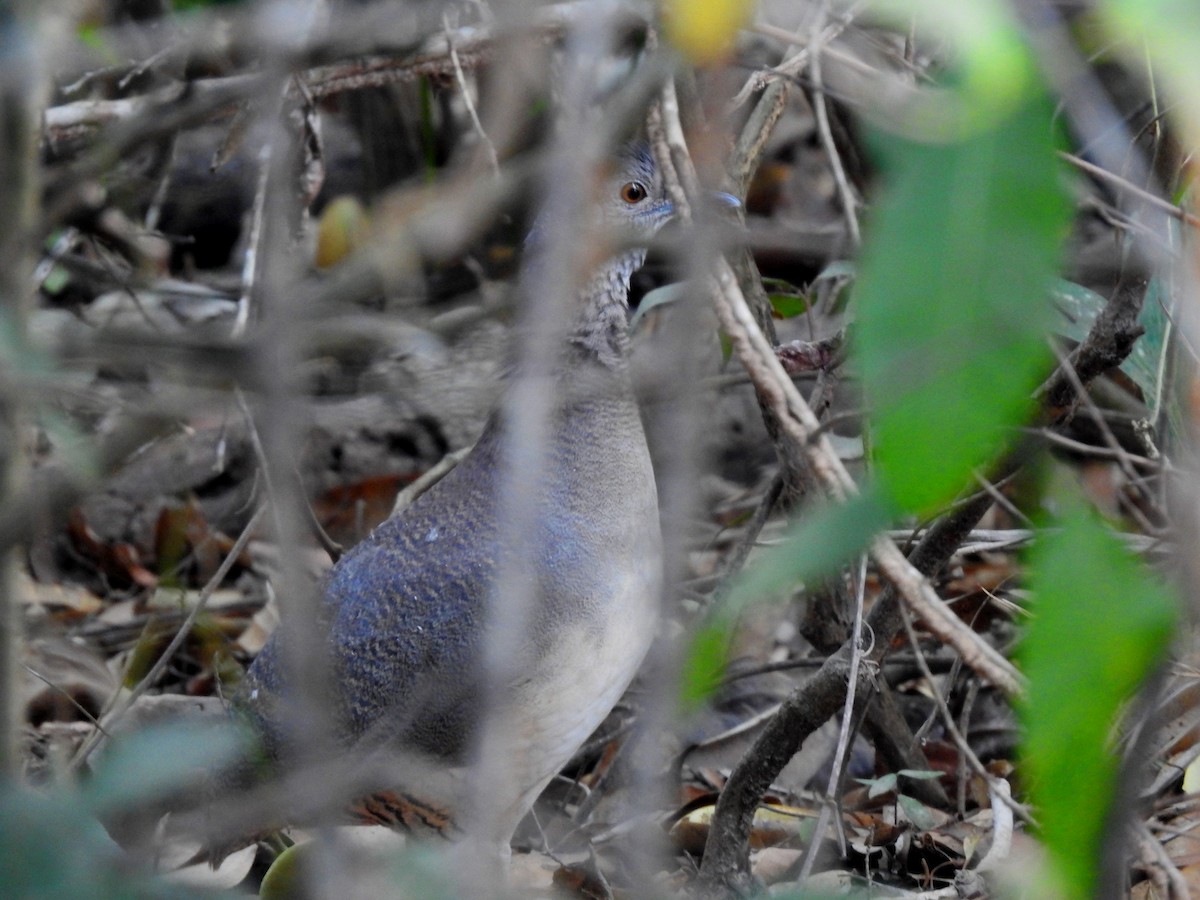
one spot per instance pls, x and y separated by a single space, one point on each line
877 787
1148 362
1100 622
726 346
57 280
1079 307
918 813
995 70
841 273
778 284
286 875
51 848
147 764
953 308
919 774
705 662
813 549
1168 31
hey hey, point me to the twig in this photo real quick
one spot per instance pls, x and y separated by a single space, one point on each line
250 260
440 59
800 423
951 726
1122 458
843 742
83 710
22 86
1133 459
726 863
428 479
846 194
1157 858
1130 188
794 63
328 544
488 146
749 539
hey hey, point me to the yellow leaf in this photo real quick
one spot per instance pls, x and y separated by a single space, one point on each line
343 229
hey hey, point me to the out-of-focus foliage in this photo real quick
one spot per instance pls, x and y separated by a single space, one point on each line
52 844
995 71
1163 35
814 549
953 297
1099 623
953 312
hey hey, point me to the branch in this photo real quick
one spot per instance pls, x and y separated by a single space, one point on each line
473 46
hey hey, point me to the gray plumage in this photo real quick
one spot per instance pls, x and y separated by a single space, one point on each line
407 607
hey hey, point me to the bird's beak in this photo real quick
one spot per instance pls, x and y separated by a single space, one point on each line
716 200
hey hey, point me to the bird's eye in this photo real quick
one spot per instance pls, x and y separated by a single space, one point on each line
633 192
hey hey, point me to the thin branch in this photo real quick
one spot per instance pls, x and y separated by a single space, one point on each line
465 90
1130 188
951 726
443 58
843 742
820 105
800 423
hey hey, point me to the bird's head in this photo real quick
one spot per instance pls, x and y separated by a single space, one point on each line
629 197
632 192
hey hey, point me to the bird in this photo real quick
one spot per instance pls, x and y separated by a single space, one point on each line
406 612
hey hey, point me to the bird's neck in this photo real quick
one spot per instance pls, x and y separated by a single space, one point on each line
600 332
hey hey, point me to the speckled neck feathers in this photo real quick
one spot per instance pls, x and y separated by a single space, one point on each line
601 328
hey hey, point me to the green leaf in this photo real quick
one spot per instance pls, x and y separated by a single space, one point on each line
877 787
919 774
661 296
995 68
917 812
1080 306
813 549
704 665
726 346
787 306
1168 31
952 298
147 764
286 876
57 280
1100 623
52 848
1147 363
